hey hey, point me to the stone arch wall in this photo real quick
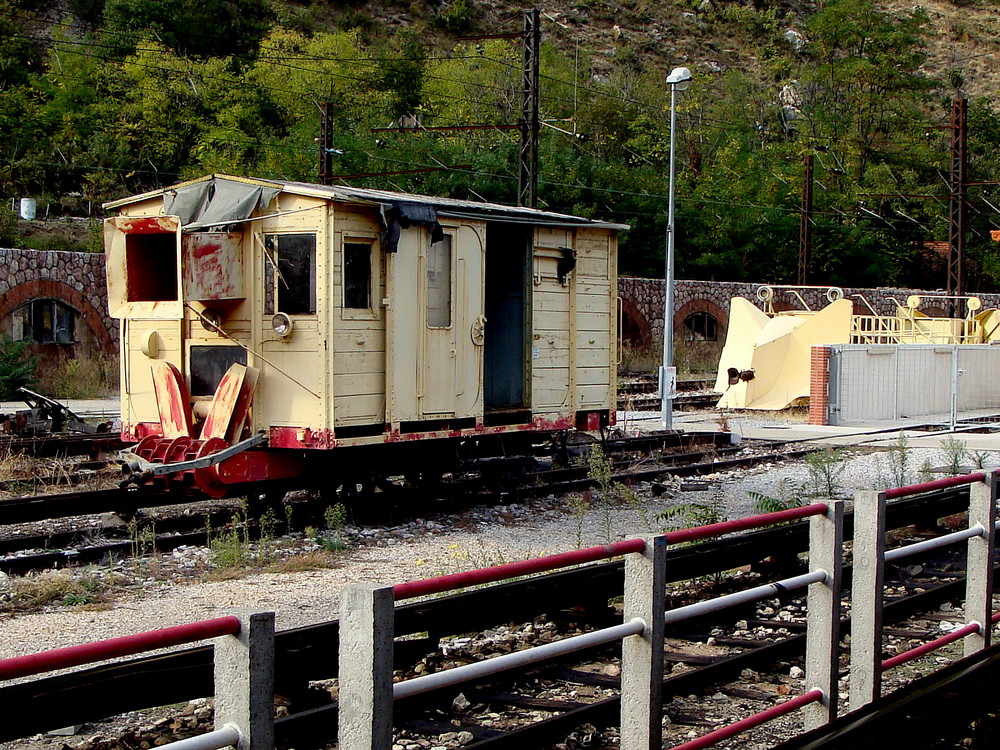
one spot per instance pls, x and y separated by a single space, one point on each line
76 279
646 298
706 306
635 328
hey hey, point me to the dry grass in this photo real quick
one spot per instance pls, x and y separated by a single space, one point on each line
90 587
11 465
84 376
306 561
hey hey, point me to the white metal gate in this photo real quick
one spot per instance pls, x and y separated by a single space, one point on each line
896 382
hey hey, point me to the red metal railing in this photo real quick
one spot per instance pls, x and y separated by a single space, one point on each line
503 572
743 524
707 740
86 653
515 569
937 484
926 648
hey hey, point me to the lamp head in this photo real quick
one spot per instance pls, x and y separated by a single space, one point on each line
680 78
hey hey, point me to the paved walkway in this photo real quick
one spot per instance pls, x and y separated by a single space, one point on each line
776 426
98 408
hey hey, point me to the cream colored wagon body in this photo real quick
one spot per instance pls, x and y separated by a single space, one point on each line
366 317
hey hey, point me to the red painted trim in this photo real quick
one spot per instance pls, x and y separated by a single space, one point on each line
926 648
134 433
937 484
73 656
304 438
742 524
512 570
707 740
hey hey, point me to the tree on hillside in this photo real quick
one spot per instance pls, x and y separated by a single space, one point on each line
199 28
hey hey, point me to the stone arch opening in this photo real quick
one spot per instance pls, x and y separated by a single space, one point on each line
31 298
636 331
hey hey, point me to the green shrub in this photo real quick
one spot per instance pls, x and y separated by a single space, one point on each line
9 236
17 367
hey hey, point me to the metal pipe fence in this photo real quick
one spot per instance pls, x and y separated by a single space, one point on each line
244 645
868 591
367 691
244 673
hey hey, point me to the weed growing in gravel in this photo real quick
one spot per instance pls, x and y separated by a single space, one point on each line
826 467
981 459
231 547
899 460
612 493
686 515
142 540
926 472
332 537
954 455
787 497
579 505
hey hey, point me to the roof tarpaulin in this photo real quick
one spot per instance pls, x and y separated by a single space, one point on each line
216 203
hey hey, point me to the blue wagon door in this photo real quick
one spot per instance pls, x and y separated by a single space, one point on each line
507 366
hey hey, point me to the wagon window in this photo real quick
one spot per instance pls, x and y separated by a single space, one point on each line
295 281
357 275
439 284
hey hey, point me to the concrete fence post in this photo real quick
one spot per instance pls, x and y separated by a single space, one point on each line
979 562
867 591
244 680
826 542
366 636
642 654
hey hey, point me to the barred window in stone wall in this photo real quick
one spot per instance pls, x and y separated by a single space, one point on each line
701 326
44 321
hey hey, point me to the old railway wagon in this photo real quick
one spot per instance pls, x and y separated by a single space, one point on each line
275 329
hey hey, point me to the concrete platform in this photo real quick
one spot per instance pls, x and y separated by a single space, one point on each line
777 426
88 408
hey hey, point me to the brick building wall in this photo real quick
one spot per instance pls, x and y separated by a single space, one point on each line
76 279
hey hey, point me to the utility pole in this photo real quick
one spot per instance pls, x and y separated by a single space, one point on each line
805 219
325 145
957 202
527 176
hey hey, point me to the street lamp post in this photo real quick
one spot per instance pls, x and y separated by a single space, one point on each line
678 80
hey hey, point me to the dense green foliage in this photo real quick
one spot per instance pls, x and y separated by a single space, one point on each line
17 367
128 95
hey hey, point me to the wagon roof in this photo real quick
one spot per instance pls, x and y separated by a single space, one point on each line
447 206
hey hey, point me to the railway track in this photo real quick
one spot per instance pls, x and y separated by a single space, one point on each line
648 458
640 393
309 653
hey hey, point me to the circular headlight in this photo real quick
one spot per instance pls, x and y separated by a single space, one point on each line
211 320
281 324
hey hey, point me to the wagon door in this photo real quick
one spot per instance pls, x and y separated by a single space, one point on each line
144 292
435 326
